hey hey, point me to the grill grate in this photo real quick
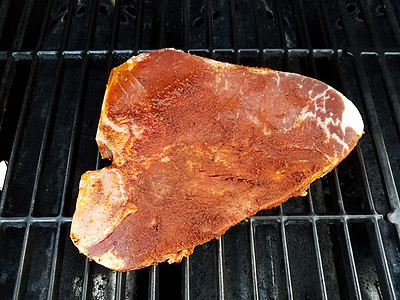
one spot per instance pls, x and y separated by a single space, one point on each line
340 241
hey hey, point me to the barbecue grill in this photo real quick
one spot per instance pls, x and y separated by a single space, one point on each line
339 241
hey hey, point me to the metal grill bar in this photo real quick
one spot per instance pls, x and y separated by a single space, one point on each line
221 268
138 25
85 279
234 25
319 261
18 281
279 17
352 262
365 180
324 13
35 220
153 286
383 261
186 19
286 261
210 30
317 248
305 31
120 282
114 33
5 85
253 260
186 278
44 23
52 281
257 24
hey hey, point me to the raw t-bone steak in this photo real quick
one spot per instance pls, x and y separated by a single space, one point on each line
197 146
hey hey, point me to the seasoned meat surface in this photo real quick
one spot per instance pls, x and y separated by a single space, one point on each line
197 146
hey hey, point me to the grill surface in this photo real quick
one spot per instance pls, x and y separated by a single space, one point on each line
340 241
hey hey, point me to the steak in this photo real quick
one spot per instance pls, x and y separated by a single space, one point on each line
197 146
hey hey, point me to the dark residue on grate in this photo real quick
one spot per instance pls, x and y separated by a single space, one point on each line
339 241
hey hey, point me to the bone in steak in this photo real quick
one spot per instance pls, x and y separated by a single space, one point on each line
197 146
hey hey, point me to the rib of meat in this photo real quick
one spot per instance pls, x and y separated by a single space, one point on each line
197 146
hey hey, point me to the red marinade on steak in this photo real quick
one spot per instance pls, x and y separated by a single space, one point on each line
197 146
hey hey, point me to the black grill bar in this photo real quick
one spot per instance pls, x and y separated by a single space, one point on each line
303 24
186 22
279 17
85 279
365 180
319 261
356 283
286 261
253 260
17 287
186 295
317 248
162 42
221 262
121 276
53 274
138 25
388 290
234 26
153 286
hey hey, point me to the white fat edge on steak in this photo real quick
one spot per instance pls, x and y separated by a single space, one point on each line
117 205
110 260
